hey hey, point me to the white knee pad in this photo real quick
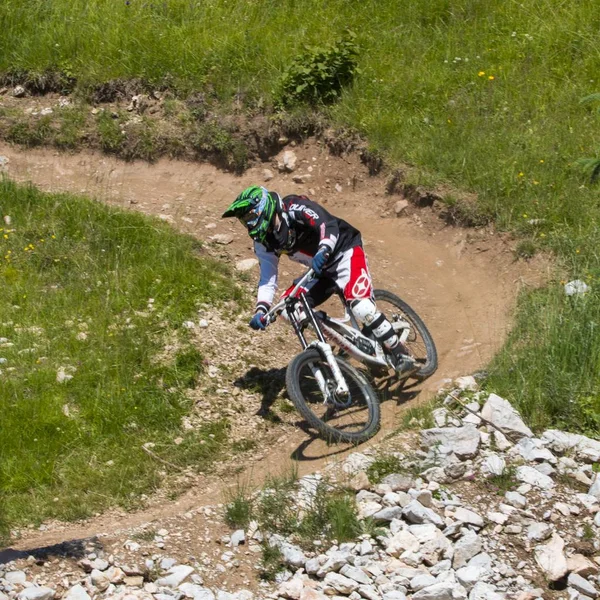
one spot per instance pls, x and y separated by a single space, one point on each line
375 322
364 310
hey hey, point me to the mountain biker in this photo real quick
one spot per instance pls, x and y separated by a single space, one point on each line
304 230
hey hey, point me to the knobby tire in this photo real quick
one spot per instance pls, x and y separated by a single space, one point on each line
298 387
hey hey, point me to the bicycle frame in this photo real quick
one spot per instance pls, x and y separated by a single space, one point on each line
348 338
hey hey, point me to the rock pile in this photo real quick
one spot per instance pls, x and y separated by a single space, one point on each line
457 529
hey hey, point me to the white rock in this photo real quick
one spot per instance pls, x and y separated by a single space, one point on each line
288 161
357 461
551 559
497 517
36 593
302 178
583 586
341 584
291 589
399 482
501 413
468 382
595 487
484 591
445 590
16 577
468 546
464 441
532 449
468 516
515 499
422 581
292 555
501 441
415 512
246 264
175 576
576 288
493 464
196 592
356 574
268 175
533 477
538 532
238 537
100 580
222 238
402 541
388 514
577 563
77 592
368 509
584 448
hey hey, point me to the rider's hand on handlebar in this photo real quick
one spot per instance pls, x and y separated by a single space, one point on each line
258 321
319 260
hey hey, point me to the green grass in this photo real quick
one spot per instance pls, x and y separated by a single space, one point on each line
384 465
551 363
97 294
505 482
484 95
238 507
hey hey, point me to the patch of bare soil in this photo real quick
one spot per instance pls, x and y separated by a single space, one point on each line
463 282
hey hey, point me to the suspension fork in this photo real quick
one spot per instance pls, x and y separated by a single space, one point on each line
325 349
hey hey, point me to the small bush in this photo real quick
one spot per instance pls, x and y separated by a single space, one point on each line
525 249
271 562
31 133
238 509
384 465
505 482
332 515
275 509
318 75
109 130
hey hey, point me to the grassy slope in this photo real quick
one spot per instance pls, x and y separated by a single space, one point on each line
77 279
483 93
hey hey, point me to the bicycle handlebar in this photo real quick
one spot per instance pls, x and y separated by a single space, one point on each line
275 310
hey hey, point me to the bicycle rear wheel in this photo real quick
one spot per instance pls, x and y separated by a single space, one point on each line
352 420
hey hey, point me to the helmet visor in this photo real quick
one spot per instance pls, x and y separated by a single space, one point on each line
249 219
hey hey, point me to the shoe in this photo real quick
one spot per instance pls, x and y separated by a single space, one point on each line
406 367
404 364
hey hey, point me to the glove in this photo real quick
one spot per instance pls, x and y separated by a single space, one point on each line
257 321
319 260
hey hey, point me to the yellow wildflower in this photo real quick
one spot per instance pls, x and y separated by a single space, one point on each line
491 78
481 73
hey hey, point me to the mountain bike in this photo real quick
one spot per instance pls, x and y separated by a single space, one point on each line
333 396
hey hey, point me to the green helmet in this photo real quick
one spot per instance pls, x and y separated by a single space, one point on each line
255 208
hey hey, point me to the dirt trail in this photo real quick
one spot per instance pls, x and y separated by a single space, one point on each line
463 283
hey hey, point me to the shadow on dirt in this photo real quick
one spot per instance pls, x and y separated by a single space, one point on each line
269 383
76 549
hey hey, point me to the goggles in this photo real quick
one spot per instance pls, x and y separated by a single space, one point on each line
249 219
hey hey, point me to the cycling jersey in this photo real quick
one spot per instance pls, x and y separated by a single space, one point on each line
303 228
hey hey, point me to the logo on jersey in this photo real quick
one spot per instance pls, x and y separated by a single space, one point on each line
309 212
362 286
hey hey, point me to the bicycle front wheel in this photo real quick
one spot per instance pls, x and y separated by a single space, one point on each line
353 419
